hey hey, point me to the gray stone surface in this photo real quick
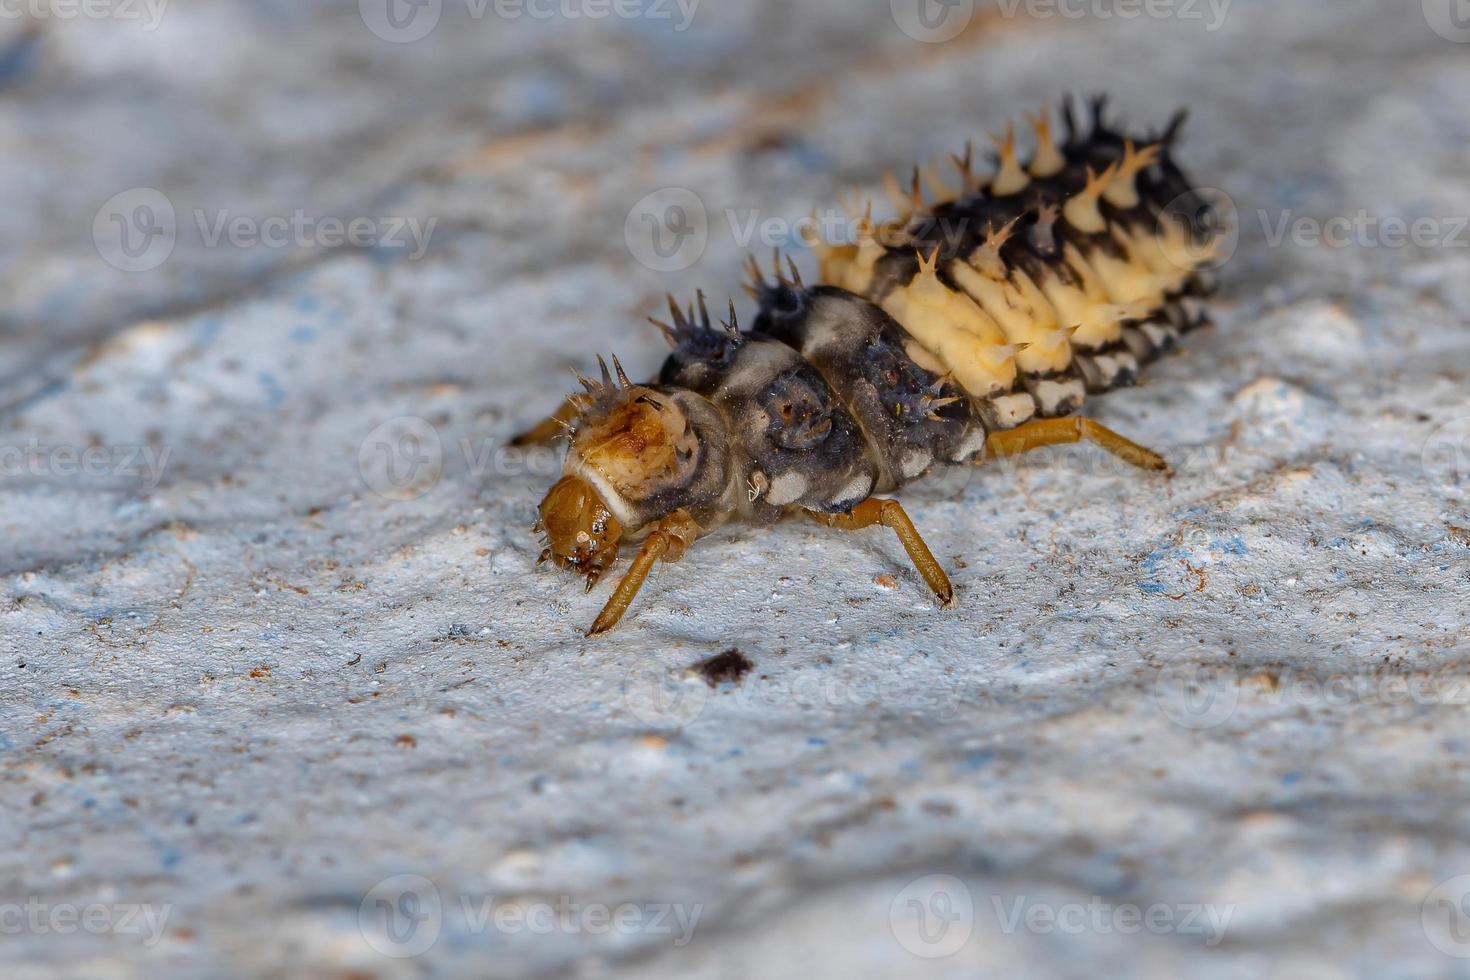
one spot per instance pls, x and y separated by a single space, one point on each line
255 663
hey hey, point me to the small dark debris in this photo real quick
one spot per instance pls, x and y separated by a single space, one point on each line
731 666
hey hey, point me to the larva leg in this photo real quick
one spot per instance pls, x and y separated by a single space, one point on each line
668 541
549 428
890 513
1057 432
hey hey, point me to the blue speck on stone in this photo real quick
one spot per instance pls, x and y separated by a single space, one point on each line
271 385
979 759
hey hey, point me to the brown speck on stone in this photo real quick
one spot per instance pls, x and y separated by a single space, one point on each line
407 742
731 666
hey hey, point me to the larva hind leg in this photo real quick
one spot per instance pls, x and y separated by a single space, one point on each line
668 541
549 428
890 513
1056 432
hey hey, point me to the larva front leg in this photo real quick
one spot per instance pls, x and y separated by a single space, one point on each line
668 541
549 429
1057 432
890 513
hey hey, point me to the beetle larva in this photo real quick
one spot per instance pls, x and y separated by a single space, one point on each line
968 328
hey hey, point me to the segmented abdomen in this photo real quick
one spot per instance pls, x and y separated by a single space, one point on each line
1001 303
1053 280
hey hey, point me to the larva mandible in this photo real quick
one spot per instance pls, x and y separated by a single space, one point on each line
967 328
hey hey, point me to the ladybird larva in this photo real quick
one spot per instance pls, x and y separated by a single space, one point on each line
969 327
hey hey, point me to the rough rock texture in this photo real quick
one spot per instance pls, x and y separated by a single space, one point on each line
262 653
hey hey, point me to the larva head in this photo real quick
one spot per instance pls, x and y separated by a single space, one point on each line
632 453
582 534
